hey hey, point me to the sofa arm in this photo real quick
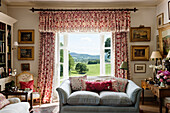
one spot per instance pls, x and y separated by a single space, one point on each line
14 100
133 91
64 90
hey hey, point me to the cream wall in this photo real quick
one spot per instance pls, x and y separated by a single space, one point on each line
28 20
3 7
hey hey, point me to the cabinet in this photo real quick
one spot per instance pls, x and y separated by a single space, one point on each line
6 41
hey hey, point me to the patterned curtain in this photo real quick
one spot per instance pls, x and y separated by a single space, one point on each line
84 21
46 61
121 54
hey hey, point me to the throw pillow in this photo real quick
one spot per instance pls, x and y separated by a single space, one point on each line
75 82
99 86
115 85
122 83
3 101
29 84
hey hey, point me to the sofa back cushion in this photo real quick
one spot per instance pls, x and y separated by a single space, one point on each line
3 101
75 82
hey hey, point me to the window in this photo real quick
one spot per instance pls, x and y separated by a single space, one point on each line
93 52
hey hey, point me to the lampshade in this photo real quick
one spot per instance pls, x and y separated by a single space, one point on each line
124 66
15 44
168 56
155 55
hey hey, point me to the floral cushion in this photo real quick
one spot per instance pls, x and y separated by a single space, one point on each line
121 83
115 85
3 101
76 83
97 86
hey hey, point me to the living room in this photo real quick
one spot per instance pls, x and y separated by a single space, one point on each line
147 15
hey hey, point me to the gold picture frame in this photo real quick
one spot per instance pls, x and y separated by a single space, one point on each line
25 67
160 20
164 39
26 36
140 34
25 53
140 53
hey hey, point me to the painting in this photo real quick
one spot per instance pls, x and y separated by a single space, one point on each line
140 34
164 39
140 53
25 53
25 67
160 20
26 36
140 68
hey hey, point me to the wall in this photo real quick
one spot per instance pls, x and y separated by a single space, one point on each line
28 20
163 8
3 7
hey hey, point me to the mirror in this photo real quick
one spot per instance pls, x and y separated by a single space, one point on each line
164 39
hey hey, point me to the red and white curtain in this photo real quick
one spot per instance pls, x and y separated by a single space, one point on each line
84 21
46 64
117 22
121 54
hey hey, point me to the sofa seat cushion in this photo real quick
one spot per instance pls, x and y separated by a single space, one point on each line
114 99
21 107
83 98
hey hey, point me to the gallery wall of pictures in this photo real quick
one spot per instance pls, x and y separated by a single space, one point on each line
25 52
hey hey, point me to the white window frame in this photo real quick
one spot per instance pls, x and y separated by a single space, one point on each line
66 55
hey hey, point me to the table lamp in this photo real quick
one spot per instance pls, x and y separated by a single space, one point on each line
155 56
124 66
168 56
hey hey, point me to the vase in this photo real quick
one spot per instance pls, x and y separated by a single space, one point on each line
162 84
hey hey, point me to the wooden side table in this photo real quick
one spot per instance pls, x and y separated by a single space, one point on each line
25 93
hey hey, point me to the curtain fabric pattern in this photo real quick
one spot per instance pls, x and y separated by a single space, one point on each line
46 61
84 21
121 54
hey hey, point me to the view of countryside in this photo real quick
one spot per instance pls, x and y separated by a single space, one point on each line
84 54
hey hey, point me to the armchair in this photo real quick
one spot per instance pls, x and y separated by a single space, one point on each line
26 77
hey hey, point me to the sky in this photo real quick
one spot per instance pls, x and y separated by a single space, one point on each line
84 43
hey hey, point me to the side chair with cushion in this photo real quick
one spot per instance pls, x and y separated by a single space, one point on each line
26 80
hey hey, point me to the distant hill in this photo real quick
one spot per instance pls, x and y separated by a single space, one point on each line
85 57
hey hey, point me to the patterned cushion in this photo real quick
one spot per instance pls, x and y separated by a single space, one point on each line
3 101
83 98
28 84
114 99
114 85
99 86
75 82
122 83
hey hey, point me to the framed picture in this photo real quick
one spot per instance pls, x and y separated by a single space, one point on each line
26 36
25 53
160 20
157 43
139 53
164 39
140 34
140 68
25 67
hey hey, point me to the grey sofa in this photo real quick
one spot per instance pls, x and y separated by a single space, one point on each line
103 102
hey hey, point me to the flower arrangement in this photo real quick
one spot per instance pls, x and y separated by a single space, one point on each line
163 76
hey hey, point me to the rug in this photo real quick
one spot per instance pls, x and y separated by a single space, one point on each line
47 109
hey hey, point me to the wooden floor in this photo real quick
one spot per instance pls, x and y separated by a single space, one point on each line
151 106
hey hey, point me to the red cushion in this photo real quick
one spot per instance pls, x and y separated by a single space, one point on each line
28 84
99 86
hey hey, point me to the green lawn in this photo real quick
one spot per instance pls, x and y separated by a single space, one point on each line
94 70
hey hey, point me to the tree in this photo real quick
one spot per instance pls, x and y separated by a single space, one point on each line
108 44
81 68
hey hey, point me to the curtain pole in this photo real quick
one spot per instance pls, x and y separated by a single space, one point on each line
127 9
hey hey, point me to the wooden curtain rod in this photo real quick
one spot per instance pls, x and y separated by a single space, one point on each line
127 9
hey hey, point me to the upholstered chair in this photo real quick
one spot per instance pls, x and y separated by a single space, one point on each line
26 79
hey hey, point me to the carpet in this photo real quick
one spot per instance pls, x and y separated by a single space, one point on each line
46 109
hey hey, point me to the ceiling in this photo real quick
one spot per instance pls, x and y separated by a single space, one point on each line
83 3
